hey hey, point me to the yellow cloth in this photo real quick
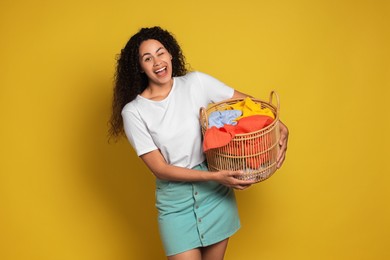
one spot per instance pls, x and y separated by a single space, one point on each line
250 108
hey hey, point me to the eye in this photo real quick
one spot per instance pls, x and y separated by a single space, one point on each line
147 59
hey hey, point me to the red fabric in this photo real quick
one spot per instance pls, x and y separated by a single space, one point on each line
217 137
252 147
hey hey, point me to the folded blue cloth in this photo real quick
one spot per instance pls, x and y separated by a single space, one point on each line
220 118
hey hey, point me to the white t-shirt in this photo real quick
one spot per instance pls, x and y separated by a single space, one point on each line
172 125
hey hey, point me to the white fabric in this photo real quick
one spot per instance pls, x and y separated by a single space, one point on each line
172 125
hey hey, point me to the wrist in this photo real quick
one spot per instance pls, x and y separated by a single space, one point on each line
212 176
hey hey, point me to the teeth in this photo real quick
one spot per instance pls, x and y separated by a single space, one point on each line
157 71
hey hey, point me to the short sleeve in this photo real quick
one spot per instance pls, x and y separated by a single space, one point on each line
137 132
214 89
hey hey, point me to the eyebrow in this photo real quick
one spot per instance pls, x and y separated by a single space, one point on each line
147 53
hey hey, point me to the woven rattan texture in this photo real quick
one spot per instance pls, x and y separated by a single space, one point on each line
254 153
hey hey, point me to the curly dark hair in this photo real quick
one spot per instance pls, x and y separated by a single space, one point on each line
129 81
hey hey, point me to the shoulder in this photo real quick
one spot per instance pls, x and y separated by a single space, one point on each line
194 76
131 107
187 76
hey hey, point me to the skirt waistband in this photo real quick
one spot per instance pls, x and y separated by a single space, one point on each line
201 166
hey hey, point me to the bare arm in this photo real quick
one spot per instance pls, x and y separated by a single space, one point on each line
162 170
238 94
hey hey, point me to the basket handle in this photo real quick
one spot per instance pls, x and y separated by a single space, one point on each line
203 118
271 96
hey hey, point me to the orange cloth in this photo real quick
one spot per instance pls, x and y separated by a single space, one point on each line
252 148
217 137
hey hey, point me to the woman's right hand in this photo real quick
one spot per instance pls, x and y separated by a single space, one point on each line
162 170
229 179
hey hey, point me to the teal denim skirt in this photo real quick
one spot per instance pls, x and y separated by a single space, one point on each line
194 214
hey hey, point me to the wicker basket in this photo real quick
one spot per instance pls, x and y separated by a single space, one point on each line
254 153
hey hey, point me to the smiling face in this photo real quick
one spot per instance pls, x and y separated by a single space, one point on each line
155 62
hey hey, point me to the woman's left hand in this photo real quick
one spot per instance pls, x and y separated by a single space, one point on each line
282 144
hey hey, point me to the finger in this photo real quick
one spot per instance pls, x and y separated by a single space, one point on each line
283 137
283 141
283 134
244 187
235 173
247 182
282 150
283 129
281 153
240 187
281 160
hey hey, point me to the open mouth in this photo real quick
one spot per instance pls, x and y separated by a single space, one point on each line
162 70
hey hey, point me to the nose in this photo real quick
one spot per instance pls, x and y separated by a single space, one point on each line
157 61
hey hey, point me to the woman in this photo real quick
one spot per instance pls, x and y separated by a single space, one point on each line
156 105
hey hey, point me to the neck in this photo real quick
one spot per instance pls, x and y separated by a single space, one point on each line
157 92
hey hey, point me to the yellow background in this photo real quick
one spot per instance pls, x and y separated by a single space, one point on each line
67 194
